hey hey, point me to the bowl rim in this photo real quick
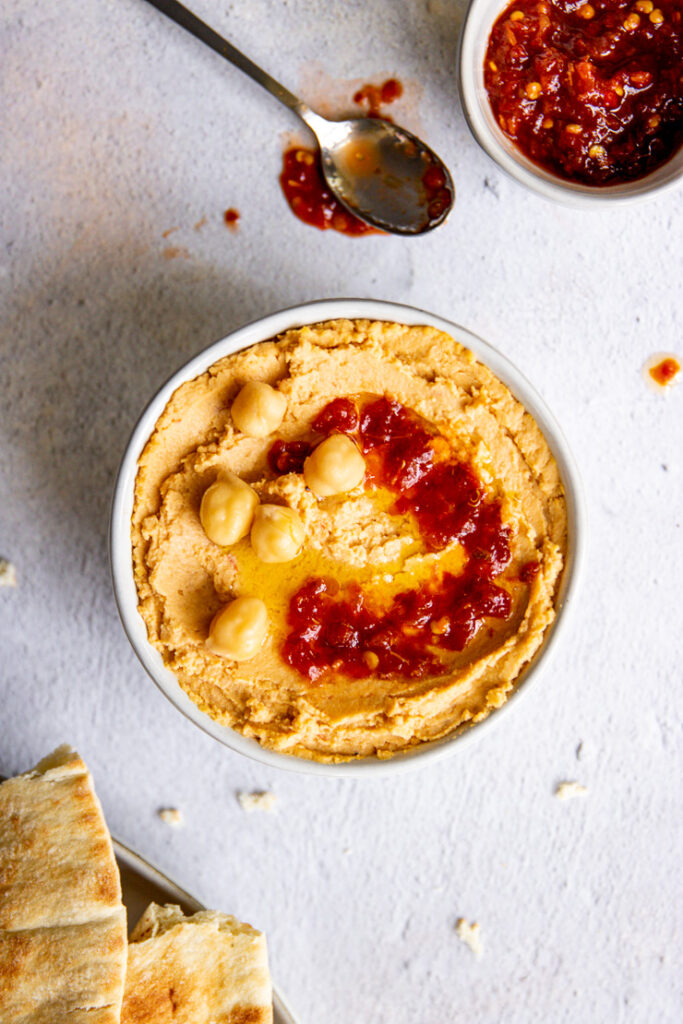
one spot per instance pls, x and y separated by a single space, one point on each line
262 329
476 21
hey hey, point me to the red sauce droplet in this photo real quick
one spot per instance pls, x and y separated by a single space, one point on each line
309 197
529 571
341 415
434 178
288 456
231 217
438 194
665 371
340 630
392 90
373 97
590 91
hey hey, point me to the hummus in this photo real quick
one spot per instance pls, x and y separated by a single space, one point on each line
418 597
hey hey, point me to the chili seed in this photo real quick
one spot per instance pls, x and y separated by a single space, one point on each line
517 16
574 129
656 17
645 6
587 12
533 90
632 22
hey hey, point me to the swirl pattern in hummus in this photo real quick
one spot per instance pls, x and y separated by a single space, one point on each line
183 578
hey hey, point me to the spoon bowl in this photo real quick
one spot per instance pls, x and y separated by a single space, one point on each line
384 174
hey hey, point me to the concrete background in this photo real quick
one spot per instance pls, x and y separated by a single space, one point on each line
117 128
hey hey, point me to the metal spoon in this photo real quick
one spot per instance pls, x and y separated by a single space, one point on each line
380 172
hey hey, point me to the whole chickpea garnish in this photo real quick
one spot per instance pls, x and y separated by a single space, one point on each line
258 409
336 466
227 509
239 629
277 533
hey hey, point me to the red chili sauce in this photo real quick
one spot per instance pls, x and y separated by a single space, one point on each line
374 97
333 627
593 91
231 217
309 197
665 371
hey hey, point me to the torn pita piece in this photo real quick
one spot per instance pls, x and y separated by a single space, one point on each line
62 923
196 970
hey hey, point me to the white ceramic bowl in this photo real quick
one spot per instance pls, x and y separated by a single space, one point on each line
479 19
261 330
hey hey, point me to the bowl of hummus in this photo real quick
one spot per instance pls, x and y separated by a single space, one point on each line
345 538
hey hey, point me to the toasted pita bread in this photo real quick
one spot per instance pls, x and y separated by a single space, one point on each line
205 969
62 922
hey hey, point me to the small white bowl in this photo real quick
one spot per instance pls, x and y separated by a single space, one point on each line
479 19
261 330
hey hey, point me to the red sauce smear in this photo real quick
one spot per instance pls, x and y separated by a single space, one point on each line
338 629
288 456
310 199
665 371
340 415
592 92
373 97
231 217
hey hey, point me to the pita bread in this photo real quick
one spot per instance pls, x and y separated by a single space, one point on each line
205 969
62 922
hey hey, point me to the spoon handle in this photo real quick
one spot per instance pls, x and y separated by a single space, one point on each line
187 20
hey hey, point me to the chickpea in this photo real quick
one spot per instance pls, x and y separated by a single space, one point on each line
239 629
277 533
258 409
227 509
336 466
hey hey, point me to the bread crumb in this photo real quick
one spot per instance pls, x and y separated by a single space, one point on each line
171 816
470 934
8 574
568 790
258 801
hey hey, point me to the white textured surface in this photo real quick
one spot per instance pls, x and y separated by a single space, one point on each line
116 128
